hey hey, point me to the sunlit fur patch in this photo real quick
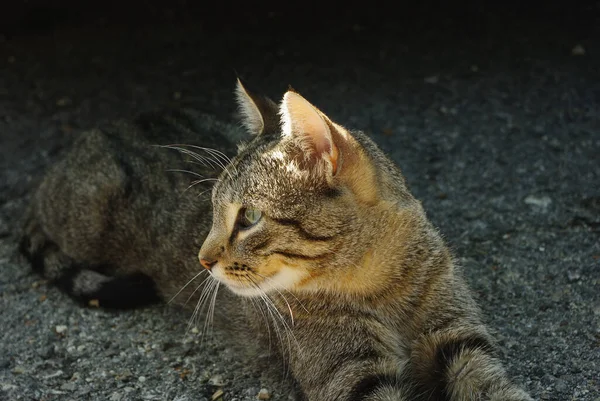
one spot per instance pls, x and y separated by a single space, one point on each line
290 165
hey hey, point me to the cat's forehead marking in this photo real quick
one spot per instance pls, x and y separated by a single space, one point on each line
278 157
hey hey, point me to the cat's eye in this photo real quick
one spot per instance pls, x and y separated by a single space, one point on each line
249 217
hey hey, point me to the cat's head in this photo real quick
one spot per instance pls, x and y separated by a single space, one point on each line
303 205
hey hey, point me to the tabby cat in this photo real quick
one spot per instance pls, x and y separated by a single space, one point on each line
311 222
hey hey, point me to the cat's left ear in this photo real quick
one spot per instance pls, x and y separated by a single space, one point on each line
259 114
308 127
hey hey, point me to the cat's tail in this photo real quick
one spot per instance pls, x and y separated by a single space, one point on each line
90 285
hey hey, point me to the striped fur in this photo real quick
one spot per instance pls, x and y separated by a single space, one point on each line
339 272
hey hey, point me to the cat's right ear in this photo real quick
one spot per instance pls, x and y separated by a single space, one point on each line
258 113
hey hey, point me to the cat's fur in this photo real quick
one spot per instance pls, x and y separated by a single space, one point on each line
342 272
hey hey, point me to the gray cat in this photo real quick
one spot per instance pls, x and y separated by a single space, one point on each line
324 252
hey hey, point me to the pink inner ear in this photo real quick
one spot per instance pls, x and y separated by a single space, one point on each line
334 159
301 120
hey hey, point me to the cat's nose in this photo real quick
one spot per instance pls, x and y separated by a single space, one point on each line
207 263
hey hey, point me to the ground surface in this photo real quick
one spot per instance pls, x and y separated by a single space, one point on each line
495 121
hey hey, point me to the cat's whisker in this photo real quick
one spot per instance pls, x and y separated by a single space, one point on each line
196 289
268 281
273 308
197 306
175 170
211 310
203 192
285 289
187 152
213 152
257 305
194 183
206 161
216 156
206 290
186 284
276 327
282 331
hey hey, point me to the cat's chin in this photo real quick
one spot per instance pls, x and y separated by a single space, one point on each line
245 291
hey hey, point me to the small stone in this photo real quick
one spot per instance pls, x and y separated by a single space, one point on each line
53 375
142 379
474 68
578 50
573 275
116 396
218 394
124 376
63 101
19 370
60 329
8 387
561 386
541 202
263 394
216 380
195 330
433 79
70 386
252 391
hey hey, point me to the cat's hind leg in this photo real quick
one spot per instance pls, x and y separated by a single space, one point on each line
90 285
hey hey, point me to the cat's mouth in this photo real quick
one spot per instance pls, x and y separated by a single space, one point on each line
255 284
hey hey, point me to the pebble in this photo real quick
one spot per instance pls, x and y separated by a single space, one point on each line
216 380
561 386
19 370
217 394
263 394
573 275
142 379
433 79
53 375
70 386
61 328
8 387
578 50
116 396
539 201
63 101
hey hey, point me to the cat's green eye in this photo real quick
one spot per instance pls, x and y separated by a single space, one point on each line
249 217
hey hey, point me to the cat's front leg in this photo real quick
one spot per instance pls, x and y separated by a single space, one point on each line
454 366
345 358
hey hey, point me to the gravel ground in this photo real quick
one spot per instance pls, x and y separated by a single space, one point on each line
493 116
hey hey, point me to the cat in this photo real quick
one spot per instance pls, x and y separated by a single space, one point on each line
325 254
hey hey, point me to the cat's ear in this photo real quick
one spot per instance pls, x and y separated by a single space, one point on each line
257 112
307 126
